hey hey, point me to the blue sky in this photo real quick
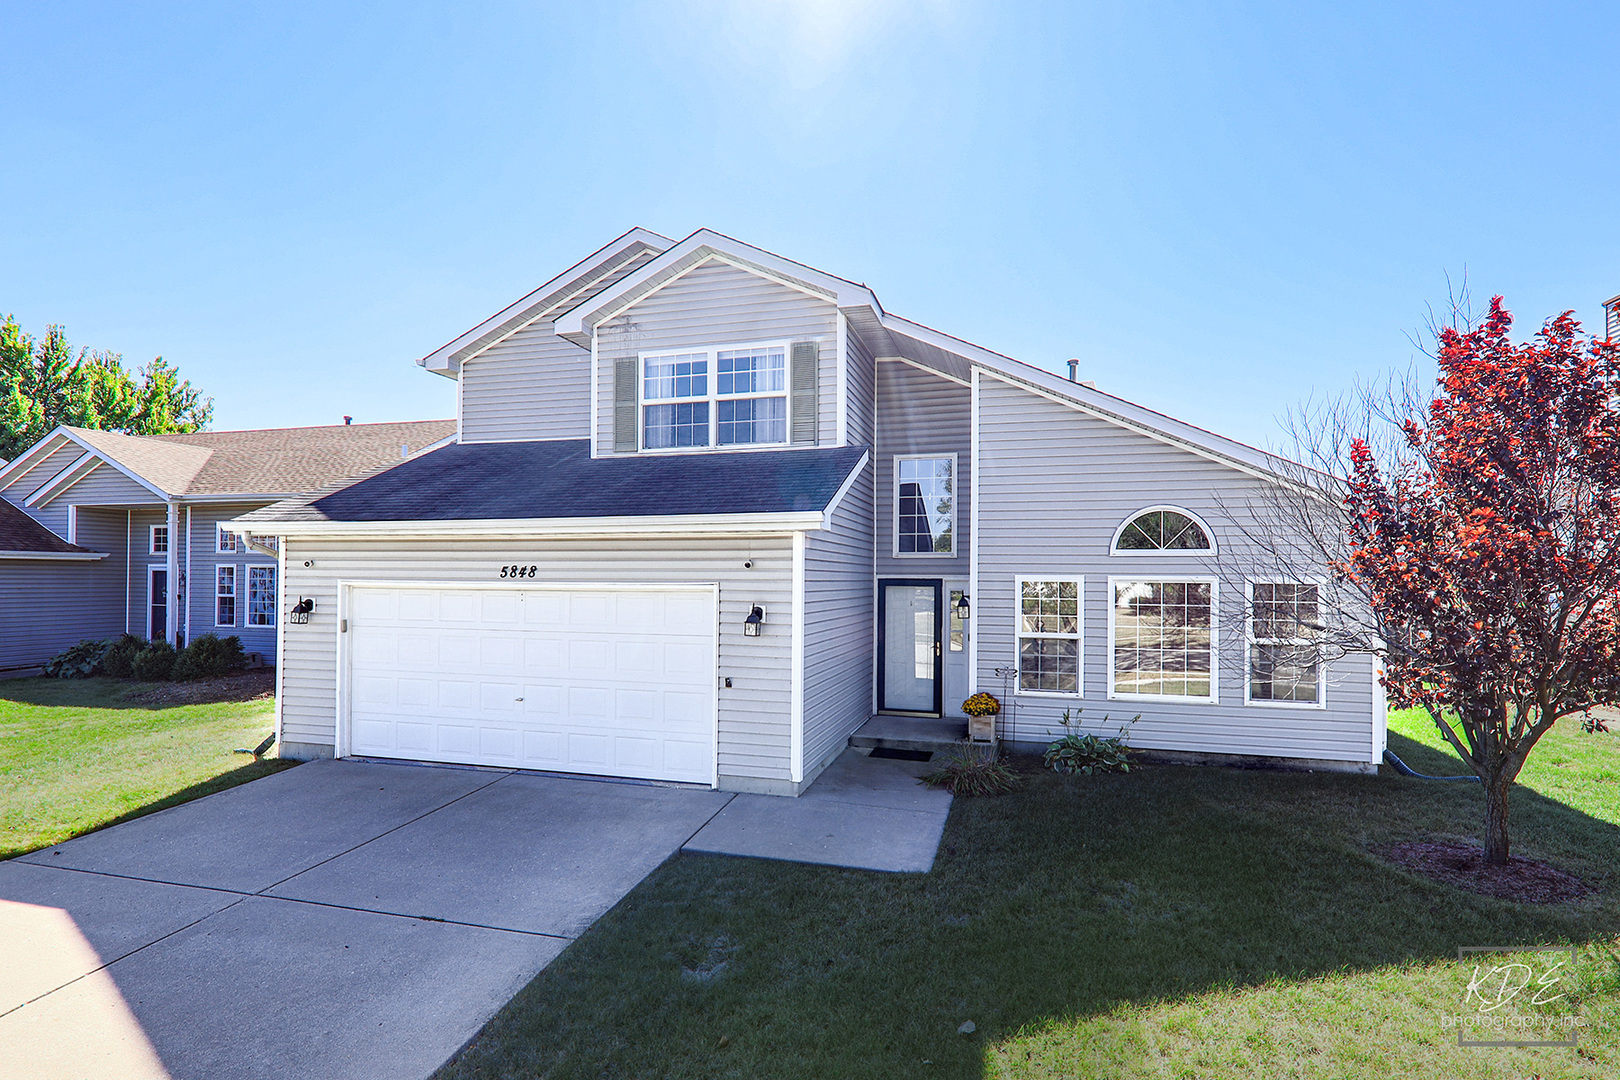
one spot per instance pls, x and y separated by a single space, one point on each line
1219 209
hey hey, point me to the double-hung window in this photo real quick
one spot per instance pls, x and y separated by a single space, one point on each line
261 596
225 595
1285 656
714 397
1049 635
1161 639
924 515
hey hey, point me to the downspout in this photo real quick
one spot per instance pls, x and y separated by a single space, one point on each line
187 609
1406 770
171 613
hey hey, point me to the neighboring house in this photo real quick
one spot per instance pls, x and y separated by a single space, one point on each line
134 521
711 509
38 569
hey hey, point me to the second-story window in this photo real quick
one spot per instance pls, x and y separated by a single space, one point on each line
714 397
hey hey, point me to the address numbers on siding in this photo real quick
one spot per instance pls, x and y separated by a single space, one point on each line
516 570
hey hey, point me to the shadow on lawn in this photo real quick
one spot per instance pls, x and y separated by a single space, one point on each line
249 771
1065 900
105 693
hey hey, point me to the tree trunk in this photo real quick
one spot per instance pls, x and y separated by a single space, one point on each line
1496 786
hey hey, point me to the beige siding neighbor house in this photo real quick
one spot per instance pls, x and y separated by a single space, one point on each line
710 511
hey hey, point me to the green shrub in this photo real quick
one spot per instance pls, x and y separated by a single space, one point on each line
1088 754
117 661
78 661
154 662
209 655
973 774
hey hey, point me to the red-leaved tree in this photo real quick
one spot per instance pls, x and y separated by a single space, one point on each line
1487 545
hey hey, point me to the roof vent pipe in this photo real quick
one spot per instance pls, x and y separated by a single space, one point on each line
347 420
1074 369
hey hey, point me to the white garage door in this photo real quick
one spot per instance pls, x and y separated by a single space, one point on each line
608 681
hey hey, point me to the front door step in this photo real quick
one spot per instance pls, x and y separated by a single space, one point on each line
910 733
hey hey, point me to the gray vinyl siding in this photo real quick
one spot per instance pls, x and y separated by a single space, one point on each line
47 605
53 518
106 486
533 385
838 627
919 413
861 409
200 596
718 304
1055 484
755 713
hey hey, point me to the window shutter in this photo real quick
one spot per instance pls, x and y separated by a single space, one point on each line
624 404
802 383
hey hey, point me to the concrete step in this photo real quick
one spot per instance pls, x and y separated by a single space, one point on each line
910 733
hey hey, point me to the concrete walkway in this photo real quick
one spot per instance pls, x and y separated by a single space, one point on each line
862 812
361 920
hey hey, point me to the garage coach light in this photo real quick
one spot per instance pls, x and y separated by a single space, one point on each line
755 620
963 609
300 611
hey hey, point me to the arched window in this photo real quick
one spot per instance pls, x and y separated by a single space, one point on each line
1162 528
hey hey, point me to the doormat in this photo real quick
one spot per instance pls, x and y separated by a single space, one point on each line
901 755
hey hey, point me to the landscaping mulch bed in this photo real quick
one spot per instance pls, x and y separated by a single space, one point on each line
252 685
1524 881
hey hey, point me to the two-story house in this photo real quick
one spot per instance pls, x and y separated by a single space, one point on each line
709 510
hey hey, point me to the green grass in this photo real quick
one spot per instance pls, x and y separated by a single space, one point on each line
77 755
1172 922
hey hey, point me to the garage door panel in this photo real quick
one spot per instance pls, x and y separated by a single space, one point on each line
625 687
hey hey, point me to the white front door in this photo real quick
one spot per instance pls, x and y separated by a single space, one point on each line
612 681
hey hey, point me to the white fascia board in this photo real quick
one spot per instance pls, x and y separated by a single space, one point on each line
1107 407
54 556
580 319
843 490
442 360
77 470
651 526
25 462
935 372
113 464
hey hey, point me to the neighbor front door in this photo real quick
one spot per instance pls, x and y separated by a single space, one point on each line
909 661
157 624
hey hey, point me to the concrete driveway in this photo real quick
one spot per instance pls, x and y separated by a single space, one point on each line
341 919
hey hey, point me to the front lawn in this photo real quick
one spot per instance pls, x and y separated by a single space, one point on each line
1175 922
79 754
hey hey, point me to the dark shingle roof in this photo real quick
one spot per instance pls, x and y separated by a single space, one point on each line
19 532
559 479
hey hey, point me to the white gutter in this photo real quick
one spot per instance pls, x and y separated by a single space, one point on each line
665 525
55 556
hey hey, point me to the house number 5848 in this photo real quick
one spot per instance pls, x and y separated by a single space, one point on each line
516 571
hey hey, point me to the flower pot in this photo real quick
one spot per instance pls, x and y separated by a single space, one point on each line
982 728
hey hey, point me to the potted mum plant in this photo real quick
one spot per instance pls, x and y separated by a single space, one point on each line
981 711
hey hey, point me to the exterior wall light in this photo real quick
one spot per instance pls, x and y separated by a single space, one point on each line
300 611
963 609
756 619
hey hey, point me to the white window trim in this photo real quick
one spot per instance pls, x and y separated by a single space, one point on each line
1160 553
151 539
220 533
1079 636
247 597
235 593
1249 642
713 397
894 509
1214 637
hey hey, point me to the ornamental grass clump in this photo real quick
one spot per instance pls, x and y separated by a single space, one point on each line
972 774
